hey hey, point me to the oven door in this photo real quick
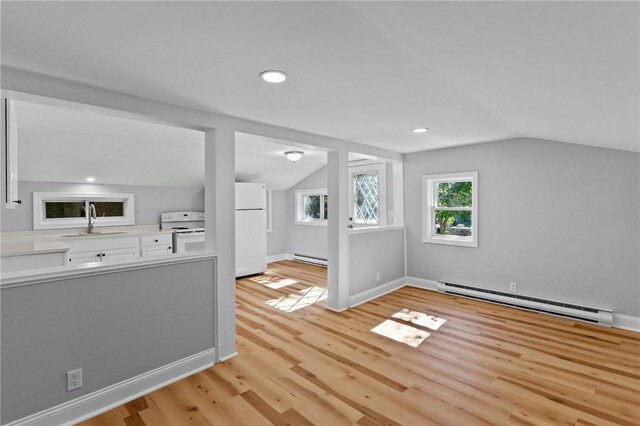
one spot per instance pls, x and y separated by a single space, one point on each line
184 242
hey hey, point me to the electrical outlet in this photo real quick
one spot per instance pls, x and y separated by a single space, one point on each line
74 379
377 277
513 287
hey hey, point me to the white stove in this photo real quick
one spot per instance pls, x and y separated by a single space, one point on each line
188 230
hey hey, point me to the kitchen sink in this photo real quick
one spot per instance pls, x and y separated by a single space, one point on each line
94 234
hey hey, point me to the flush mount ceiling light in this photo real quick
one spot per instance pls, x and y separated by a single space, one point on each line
273 76
294 155
420 130
90 179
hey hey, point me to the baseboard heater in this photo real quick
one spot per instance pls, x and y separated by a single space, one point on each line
310 259
566 310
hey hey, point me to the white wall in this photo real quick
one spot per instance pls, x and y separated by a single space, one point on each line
150 201
287 237
277 238
560 220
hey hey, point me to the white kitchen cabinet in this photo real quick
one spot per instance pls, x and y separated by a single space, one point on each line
121 254
156 245
103 255
101 249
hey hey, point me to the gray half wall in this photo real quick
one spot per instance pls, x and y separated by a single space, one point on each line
374 252
150 201
114 326
560 220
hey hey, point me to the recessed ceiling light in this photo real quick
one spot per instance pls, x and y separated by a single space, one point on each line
420 130
90 179
273 76
294 155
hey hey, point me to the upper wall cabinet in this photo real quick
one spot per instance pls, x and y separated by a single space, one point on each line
10 154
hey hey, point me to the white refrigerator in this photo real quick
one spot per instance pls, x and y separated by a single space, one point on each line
251 229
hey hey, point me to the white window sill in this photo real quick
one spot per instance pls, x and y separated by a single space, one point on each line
311 222
368 229
451 241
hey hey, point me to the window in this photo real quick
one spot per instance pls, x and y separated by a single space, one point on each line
52 210
312 207
368 192
450 203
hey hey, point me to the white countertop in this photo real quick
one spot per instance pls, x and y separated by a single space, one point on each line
32 247
55 241
43 275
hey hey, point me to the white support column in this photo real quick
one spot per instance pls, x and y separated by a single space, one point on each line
338 228
220 222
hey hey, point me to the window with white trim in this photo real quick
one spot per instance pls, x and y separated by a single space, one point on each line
55 210
312 207
367 190
450 205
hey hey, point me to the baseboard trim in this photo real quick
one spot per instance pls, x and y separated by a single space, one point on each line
336 310
422 283
374 293
279 257
102 400
228 357
626 322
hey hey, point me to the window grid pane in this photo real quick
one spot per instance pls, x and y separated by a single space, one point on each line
311 206
64 209
366 198
109 208
326 207
453 194
453 222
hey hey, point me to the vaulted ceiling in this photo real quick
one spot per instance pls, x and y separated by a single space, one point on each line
359 71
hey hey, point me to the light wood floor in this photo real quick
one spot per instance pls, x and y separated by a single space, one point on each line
486 364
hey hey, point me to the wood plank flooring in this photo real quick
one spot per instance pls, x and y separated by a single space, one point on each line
301 364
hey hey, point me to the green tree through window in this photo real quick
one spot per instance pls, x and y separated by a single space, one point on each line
455 195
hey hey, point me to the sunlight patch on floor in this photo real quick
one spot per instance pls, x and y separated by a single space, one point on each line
420 318
273 282
281 283
299 300
401 333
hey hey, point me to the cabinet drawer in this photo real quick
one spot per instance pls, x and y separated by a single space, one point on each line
156 240
155 251
77 258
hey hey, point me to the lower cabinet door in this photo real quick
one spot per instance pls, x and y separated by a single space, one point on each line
155 251
83 257
120 254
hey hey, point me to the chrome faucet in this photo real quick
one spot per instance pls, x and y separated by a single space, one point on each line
92 215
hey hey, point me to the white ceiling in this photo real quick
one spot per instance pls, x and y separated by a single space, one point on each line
65 145
261 159
361 71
